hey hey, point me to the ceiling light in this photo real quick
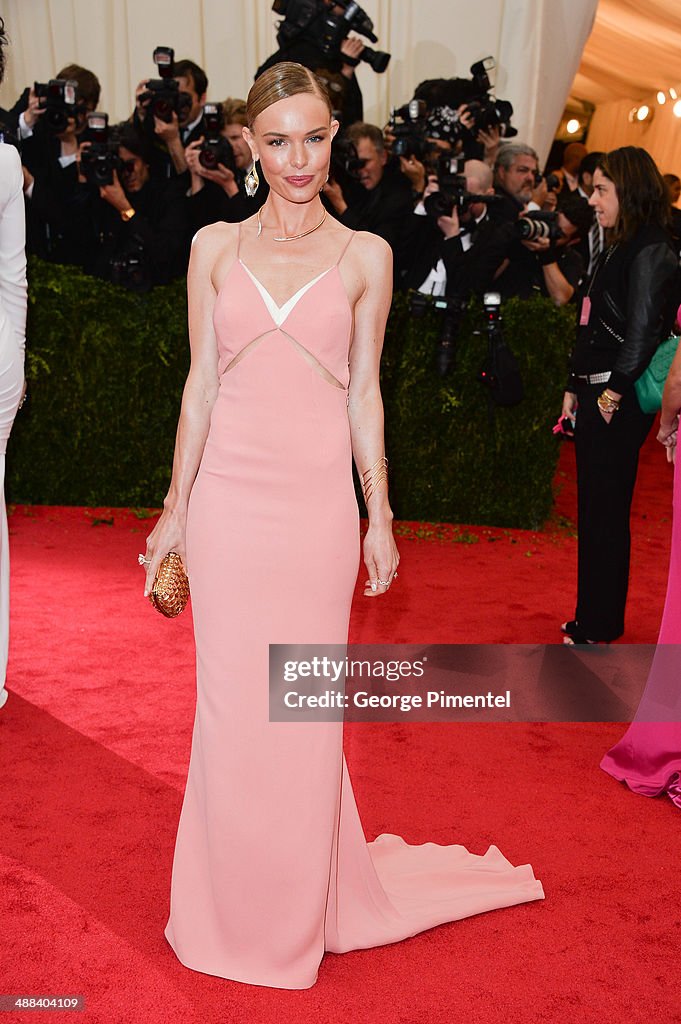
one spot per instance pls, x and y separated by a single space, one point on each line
673 94
677 108
632 114
643 113
573 126
661 97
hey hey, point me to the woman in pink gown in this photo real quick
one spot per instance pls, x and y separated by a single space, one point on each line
648 757
287 313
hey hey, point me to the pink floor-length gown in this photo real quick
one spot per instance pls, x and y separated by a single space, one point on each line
271 864
648 757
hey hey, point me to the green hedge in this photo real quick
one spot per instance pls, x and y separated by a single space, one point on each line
450 460
106 368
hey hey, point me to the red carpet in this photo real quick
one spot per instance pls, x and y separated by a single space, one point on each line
94 747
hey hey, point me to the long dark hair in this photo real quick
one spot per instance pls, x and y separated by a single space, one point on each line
641 191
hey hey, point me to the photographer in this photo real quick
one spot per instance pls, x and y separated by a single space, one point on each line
386 204
51 130
450 251
217 179
173 132
480 121
543 252
303 37
515 179
140 222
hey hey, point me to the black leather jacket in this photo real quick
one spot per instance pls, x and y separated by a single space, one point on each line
634 294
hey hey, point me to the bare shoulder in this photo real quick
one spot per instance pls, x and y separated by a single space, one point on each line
372 250
214 238
213 250
373 259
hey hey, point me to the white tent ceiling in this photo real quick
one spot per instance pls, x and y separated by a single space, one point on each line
634 50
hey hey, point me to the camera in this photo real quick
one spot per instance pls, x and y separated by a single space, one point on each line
537 224
313 18
99 160
129 269
553 182
500 372
215 148
337 27
451 311
453 191
409 127
345 167
58 100
163 97
485 109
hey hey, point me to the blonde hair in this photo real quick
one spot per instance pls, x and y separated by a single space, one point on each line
234 112
279 83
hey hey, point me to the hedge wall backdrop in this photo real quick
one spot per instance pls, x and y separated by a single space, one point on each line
106 367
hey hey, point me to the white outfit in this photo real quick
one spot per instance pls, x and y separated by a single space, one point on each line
12 343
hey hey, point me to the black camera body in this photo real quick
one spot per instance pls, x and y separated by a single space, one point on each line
451 310
215 148
453 191
99 160
486 110
58 99
537 224
500 372
129 269
409 127
163 96
328 30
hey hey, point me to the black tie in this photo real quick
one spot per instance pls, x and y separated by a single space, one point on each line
595 244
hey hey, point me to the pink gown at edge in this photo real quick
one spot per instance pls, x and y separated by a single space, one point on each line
271 865
648 757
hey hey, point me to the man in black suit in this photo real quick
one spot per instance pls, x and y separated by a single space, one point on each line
55 203
170 138
593 243
455 253
385 204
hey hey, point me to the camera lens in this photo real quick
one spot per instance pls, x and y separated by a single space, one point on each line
208 159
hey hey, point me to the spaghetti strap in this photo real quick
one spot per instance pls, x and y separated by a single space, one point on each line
238 241
345 248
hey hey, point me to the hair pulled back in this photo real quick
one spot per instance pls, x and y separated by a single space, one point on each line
279 83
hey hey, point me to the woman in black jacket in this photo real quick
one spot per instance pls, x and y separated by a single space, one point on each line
627 311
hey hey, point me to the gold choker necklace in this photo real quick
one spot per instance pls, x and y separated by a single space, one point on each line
291 238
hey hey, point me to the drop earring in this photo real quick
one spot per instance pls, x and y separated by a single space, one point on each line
252 182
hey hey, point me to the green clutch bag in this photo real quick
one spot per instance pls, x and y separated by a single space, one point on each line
650 384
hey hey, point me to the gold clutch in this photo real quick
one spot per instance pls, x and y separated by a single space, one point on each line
170 592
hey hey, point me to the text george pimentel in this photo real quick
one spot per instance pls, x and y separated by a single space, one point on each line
397 701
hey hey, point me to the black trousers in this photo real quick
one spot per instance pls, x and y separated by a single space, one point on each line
607 462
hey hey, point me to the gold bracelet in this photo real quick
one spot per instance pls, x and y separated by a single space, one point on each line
607 404
374 476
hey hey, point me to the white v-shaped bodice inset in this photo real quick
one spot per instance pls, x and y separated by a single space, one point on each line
280 313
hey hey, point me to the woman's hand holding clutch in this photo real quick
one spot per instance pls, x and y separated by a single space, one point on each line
167 535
